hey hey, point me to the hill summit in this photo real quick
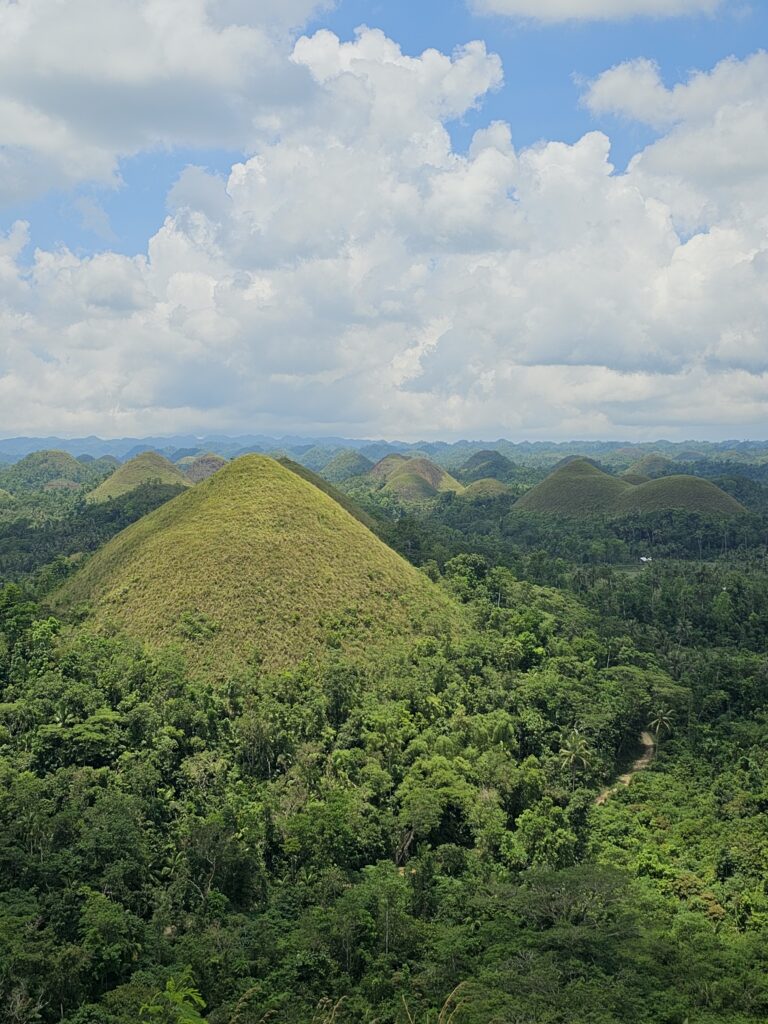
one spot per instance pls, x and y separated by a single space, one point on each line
256 561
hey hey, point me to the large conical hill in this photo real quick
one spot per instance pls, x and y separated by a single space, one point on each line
578 487
256 562
148 467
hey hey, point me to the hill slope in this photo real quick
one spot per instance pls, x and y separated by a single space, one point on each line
576 488
256 560
149 467
333 492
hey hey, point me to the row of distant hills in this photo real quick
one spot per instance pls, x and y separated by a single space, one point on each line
315 452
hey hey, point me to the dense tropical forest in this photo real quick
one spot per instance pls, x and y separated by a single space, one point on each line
363 736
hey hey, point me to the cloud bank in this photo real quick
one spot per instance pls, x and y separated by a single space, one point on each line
593 10
357 275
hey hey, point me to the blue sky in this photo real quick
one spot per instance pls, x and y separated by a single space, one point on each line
250 215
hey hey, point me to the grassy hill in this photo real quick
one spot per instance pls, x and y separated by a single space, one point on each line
652 465
256 561
385 467
39 469
149 467
486 465
482 490
576 488
690 493
419 479
203 466
580 488
346 465
634 478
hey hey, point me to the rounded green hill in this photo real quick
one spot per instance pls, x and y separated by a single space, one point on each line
580 488
652 465
38 469
419 479
149 467
486 465
345 466
577 488
484 490
256 562
689 493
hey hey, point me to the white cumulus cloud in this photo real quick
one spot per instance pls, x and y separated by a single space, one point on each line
358 275
86 82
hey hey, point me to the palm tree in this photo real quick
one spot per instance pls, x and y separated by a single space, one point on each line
575 754
661 722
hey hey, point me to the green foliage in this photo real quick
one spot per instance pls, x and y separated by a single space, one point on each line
408 837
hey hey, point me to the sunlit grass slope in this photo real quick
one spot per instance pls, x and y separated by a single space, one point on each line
149 467
690 493
257 561
333 492
577 488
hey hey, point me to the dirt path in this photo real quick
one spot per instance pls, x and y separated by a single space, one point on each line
649 749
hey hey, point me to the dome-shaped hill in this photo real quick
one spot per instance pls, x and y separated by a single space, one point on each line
576 488
203 466
689 493
37 469
345 466
256 560
652 465
486 465
484 490
385 467
419 479
149 467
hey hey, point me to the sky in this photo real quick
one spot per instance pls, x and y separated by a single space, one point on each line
540 219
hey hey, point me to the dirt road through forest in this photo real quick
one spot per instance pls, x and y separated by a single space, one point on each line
649 749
